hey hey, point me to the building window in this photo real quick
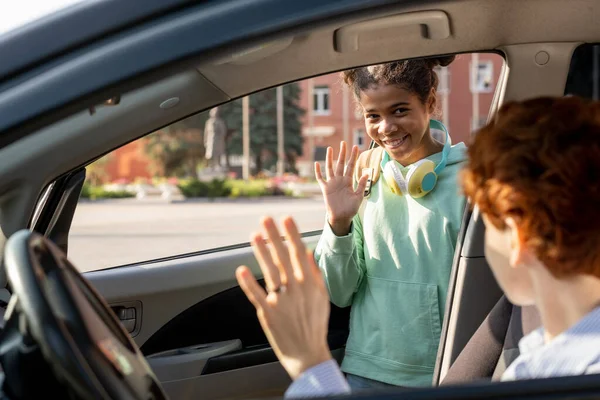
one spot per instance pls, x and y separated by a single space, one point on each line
321 100
482 76
319 153
443 74
359 137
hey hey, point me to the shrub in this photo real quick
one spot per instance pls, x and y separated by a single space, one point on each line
218 188
194 188
86 190
98 192
233 188
255 188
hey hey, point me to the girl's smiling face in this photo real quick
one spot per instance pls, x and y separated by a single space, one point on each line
397 120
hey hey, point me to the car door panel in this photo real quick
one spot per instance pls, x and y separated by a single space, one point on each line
196 327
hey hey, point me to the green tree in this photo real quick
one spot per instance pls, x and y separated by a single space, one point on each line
263 126
177 149
96 173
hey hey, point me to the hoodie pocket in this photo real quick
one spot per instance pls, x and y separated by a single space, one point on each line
397 322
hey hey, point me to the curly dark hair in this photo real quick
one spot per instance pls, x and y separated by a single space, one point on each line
417 76
538 162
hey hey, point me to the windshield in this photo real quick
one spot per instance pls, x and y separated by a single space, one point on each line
15 14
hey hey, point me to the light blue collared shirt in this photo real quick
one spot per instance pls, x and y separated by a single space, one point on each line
573 352
326 379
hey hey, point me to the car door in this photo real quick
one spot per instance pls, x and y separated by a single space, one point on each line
188 315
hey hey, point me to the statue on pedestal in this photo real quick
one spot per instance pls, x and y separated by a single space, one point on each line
214 139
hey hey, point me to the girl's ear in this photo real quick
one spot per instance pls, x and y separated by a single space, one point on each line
432 101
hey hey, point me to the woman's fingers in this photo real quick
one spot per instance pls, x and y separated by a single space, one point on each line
267 265
341 162
297 249
279 251
250 287
329 163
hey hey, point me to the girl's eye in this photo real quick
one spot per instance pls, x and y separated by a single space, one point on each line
372 116
400 110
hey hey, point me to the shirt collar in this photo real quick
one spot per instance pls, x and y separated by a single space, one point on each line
569 353
590 323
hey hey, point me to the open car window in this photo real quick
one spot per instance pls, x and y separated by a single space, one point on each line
160 196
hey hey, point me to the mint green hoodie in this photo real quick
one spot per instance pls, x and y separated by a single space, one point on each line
393 268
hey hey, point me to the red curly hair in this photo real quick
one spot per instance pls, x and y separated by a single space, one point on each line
538 162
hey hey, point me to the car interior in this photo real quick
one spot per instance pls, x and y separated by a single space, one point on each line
198 336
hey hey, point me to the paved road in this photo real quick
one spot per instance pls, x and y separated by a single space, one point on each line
118 232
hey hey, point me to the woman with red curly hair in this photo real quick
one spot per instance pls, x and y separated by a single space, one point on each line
534 174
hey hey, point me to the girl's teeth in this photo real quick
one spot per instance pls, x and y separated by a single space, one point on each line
396 142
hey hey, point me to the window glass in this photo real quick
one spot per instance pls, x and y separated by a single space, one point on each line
359 138
181 190
584 73
482 76
321 100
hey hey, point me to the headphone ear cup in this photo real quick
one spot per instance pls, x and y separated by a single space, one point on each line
421 178
394 178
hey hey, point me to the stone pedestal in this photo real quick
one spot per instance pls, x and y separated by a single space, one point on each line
208 174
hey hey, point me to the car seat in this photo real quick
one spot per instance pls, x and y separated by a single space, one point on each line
494 345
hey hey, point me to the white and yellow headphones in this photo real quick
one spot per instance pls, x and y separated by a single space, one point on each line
422 176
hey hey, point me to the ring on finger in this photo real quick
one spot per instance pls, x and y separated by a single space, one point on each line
279 289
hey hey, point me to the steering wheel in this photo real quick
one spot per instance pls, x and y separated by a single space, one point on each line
54 309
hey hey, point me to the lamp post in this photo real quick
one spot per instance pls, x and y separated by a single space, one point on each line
246 137
280 151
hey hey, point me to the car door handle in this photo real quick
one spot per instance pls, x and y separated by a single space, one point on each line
130 315
127 317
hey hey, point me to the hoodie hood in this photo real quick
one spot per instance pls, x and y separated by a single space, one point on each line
456 155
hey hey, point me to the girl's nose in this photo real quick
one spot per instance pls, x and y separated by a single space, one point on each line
387 127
